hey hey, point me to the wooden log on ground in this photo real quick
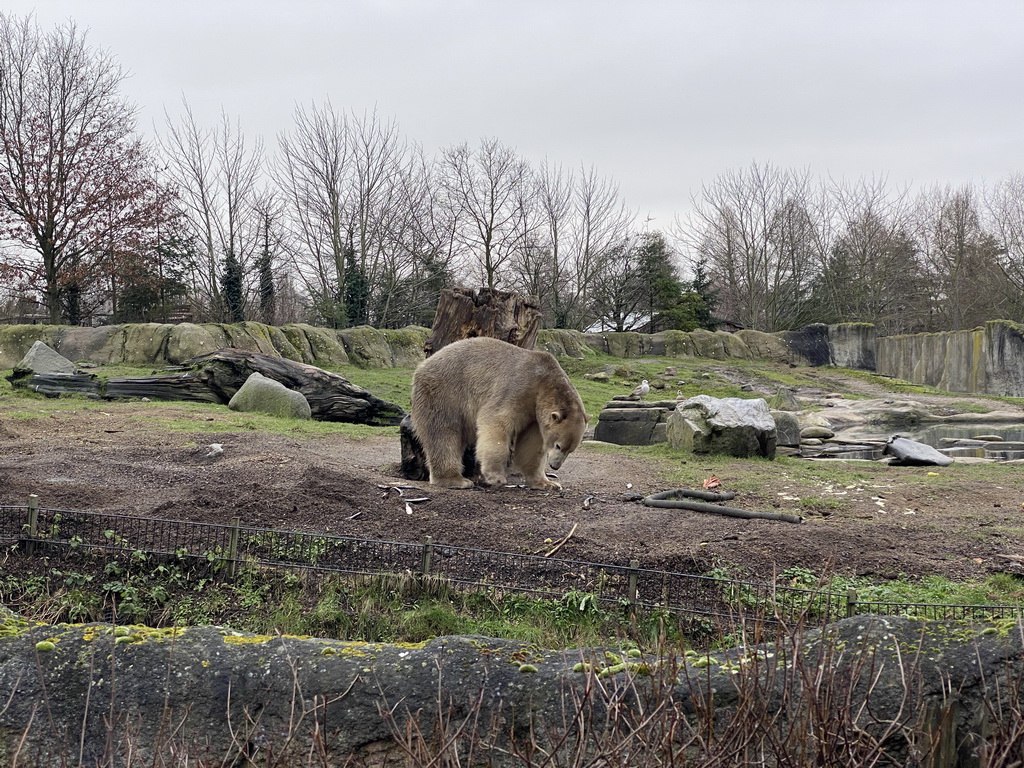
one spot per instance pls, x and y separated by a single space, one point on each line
463 313
53 384
331 396
171 386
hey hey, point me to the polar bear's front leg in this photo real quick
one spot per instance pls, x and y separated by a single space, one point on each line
493 448
528 460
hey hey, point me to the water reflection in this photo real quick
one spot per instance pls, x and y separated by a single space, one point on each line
999 442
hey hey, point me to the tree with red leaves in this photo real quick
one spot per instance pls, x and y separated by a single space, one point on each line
78 195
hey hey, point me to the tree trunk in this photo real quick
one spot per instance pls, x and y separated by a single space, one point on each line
463 313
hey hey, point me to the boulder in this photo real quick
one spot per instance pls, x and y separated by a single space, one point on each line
624 343
262 395
764 345
708 344
188 695
728 425
406 345
905 452
40 358
785 400
188 340
563 343
822 433
787 428
366 347
634 423
676 343
16 340
104 344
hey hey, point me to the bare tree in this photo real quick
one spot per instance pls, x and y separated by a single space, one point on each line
1005 212
490 191
312 174
871 272
74 176
963 258
758 230
217 177
583 224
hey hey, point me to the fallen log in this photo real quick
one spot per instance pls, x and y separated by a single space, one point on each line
671 500
53 384
215 377
331 396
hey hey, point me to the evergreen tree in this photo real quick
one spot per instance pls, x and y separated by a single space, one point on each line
268 297
701 286
357 290
231 287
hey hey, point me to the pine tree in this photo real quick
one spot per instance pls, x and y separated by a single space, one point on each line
357 290
231 287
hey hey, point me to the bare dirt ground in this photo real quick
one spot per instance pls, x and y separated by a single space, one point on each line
960 522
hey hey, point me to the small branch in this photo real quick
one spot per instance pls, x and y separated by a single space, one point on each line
561 543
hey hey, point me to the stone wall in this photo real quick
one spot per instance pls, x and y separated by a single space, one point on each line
986 360
161 344
165 344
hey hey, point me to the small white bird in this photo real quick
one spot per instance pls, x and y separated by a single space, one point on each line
641 389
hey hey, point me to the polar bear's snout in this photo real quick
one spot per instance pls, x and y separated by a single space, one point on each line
555 457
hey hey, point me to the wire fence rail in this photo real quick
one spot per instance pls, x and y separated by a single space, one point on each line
36 530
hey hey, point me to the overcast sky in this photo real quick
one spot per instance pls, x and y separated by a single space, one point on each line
659 96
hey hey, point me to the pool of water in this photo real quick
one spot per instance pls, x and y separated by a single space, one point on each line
951 439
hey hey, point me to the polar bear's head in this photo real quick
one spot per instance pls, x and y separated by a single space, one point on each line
562 430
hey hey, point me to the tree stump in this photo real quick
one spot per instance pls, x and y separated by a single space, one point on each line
463 313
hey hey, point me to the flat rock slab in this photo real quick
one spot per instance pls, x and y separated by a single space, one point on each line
906 452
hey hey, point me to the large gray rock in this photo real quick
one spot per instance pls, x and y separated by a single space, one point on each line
905 452
40 358
634 423
182 696
264 395
728 425
787 428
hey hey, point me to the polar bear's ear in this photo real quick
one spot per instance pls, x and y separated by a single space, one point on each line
555 417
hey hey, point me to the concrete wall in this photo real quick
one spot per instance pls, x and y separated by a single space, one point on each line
986 360
164 344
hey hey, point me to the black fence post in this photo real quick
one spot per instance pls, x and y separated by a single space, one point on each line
631 589
428 553
33 523
233 547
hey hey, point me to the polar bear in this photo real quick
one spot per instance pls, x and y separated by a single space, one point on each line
516 405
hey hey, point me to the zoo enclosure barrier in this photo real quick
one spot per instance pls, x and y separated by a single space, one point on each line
37 530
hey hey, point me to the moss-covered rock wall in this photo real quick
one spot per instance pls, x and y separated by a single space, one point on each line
160 344
985 360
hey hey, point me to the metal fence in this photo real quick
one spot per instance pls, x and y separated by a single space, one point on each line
36 530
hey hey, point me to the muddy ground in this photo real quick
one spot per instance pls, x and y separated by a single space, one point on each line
960 522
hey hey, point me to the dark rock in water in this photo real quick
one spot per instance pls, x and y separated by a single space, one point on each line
1003 445
906 452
